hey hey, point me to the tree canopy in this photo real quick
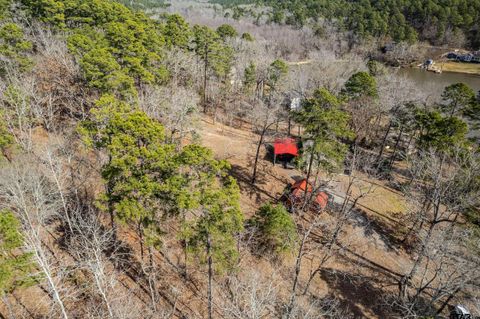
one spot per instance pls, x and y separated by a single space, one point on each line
438 21
360 84
276 228
327 126
16 269
440 132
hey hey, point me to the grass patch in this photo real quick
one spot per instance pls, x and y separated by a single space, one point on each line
385 202
459 67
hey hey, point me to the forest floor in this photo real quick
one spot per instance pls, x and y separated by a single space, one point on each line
372 251
368 265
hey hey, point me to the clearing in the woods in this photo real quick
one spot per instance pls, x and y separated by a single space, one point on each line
368 236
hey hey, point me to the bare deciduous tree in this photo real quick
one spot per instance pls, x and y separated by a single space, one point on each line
175 108
446 187
251 296
25 190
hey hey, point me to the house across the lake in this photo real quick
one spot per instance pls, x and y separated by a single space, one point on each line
471 57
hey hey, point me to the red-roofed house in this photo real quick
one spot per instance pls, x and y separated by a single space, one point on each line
285 149
296 194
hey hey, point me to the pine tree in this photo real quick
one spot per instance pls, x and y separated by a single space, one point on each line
177 32
6 139
226 31
440 132
14 48
139 161
360 84
104 73
459 100
250 77
210 233
326 125
276 229
16 267
247 37
276 71
215 55
326 129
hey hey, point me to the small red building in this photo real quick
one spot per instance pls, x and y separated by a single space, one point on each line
285 149
295 195
285 146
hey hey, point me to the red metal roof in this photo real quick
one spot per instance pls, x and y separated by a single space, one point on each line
322 199
301 185
285 146
298 189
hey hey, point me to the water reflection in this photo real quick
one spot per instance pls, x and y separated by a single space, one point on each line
434 84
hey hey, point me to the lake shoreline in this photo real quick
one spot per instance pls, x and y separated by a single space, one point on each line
433 82
458 67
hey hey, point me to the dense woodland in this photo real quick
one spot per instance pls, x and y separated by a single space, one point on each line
438 21
111 205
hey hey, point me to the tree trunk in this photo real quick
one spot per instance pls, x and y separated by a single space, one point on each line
394 155
311 196
289 125
322 262
111 209
447 301
404 281
186 258
204 93
151 278
185 250
435 200
411 229
257 154
56 295
298 264
377 125
309 172
384 142
210 276
140 235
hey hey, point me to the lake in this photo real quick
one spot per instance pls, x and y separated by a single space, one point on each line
433 82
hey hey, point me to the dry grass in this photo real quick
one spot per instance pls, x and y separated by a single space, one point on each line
381 199
385 201
458 67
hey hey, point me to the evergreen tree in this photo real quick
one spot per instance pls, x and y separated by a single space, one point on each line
226 31
400 21
440 132
50 11
215 55
360 85
459 99
14 48
276 228
4 8
276 71
177 32
16 267
250 77
210 236
375 68
6 139
104 73
326 125
247 37
139 161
